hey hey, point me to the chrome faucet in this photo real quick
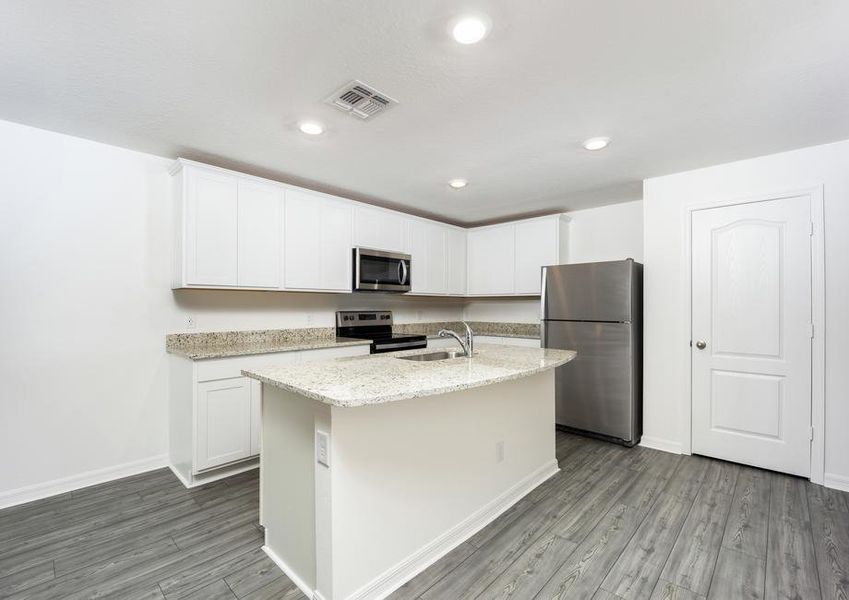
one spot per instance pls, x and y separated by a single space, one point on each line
468 345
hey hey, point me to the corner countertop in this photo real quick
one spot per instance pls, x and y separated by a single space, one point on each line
382 378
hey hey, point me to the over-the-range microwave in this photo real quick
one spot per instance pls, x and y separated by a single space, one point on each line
381 271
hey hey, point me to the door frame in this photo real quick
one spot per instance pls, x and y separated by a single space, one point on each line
815 195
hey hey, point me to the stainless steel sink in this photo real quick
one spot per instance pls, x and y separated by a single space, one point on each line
441 355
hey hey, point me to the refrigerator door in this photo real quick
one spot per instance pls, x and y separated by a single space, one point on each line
603 291
599 391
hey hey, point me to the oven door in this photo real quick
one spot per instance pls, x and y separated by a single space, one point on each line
376 270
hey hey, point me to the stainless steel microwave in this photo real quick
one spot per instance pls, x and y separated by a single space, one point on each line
380 271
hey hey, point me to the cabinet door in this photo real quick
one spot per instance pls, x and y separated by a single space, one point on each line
427 248
317 243
211 228
378 229
420 256
455 250
260 226
536 246
491 260
436 263
302 241
336 246
223 428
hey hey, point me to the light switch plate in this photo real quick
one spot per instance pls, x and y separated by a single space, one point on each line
322 448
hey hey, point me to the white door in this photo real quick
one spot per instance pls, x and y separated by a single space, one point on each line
317 243
211 228
536 246
751 332
260 226
223 428
492 255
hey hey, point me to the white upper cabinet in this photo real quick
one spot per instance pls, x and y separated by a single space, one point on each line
211 228
379 229
427 249
243 232
317 242
455 250
536 246
260 227
491 260
507 259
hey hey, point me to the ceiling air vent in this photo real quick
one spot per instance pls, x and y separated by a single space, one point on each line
360 100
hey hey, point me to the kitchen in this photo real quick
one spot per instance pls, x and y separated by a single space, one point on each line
156 255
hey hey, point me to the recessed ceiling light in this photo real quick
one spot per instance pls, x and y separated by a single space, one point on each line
469 30
311 128
458 184
596 143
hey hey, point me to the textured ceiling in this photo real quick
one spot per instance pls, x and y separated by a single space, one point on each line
677 84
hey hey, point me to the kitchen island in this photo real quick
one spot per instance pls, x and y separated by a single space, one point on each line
375 466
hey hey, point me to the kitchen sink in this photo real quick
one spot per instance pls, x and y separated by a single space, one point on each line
441 355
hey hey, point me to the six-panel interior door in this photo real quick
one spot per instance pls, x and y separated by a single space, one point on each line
751 334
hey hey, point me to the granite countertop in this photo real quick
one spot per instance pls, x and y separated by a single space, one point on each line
487 328
381 378
220 344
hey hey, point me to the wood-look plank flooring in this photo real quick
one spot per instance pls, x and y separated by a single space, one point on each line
614 524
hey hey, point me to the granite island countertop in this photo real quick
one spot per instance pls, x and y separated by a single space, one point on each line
381 378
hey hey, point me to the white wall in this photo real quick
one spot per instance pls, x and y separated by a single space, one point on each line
666 312
612 232
85 303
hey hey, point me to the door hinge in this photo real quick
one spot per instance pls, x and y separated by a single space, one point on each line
812 228
811 434
811 329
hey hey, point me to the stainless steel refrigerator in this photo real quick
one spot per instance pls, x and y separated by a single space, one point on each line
596 309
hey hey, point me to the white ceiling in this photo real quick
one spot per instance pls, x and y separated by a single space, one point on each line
677 84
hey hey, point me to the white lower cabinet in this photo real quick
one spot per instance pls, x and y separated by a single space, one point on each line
215 413
224 418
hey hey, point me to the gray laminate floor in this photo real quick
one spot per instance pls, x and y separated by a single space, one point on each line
613 524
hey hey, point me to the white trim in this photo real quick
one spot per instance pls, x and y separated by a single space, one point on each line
656 443
290 573
815 194
75 482
836 482
393 578
215 475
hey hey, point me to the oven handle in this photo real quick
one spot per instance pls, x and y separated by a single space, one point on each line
401 345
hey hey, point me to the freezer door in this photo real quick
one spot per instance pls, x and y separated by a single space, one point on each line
602 291
599 390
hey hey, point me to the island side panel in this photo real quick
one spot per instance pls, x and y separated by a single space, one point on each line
415 478
288 477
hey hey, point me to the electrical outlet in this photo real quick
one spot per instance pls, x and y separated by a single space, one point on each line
322 448
418 315
309 320
190 322
499 451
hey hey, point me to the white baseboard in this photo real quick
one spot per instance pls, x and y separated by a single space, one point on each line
661 444
203 479
75 482
836 482
300 583
389 581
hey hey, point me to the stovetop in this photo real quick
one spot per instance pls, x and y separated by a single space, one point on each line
376 326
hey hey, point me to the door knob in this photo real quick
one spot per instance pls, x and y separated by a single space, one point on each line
701 344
